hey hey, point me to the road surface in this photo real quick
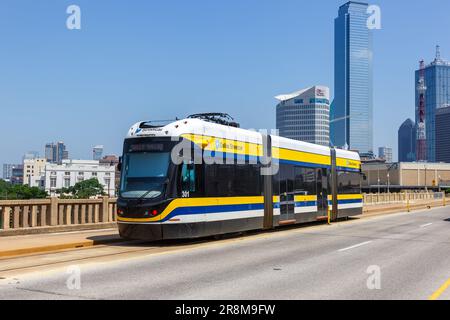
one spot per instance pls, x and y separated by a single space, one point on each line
400 256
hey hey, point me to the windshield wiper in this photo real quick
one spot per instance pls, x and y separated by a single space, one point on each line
142 198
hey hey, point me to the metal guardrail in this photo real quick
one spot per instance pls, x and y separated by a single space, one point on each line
19 214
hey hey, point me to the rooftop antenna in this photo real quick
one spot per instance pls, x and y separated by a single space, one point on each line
438 53
421 126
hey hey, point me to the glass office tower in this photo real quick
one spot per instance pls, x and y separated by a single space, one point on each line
305 115
407 141
352 108
437 81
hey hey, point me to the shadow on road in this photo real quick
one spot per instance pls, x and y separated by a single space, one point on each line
116 241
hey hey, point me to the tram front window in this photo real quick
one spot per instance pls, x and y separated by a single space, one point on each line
145 175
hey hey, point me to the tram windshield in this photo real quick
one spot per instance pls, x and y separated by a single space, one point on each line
144 174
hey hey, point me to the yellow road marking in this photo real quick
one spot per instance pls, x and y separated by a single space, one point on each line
440 291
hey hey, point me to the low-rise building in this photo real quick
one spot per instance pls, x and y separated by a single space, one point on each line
385 177
112 160
70 172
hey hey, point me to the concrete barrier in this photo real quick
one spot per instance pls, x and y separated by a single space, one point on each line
54 212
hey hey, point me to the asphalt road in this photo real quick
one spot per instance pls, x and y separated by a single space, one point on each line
401 256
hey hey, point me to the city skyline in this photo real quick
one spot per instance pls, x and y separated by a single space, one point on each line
93 88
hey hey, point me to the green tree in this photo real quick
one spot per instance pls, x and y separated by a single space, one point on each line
20 192
83 190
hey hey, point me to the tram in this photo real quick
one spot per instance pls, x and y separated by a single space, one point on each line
203 176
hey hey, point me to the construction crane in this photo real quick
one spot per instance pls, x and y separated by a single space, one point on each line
421 126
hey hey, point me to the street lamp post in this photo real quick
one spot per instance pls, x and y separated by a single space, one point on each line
389 183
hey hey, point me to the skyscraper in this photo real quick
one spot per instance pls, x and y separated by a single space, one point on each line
305 115
443 134
385 153
352 108
56 152
31 155
49 152
8 170
437 82
407 136
97 153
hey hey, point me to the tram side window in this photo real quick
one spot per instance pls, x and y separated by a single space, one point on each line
305 181
188 178
349 182
232 181
247 181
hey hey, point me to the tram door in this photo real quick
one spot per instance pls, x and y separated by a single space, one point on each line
322 192
287 198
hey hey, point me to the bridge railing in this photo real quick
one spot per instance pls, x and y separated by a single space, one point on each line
392 198
52 212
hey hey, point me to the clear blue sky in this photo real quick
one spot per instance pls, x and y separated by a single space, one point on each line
137 60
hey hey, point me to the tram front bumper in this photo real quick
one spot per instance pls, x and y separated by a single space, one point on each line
146 232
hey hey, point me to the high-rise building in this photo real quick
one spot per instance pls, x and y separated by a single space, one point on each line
49 152
56 152
305 115
407 137
352 108
31 155
385 153
17 175
33 170
8 170
97 153
437 82
443 134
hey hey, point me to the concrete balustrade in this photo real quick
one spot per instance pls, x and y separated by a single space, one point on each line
28 216
392 198
22 214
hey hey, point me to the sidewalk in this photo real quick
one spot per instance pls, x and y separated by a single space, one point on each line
23 245
402 207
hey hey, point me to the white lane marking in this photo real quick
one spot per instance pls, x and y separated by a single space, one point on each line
426 225
355 246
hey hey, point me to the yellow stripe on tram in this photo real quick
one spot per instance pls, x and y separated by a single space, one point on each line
305 198
196 202
347 163
226 145
300 156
